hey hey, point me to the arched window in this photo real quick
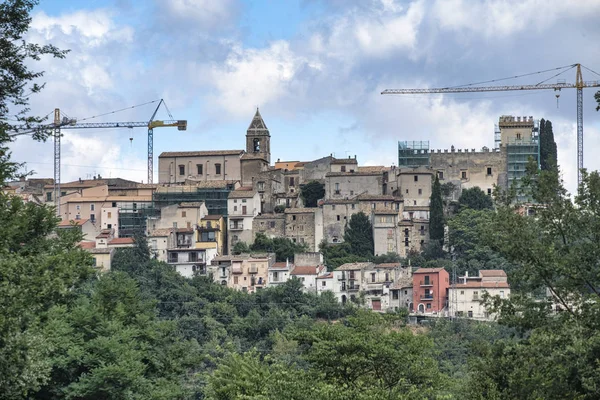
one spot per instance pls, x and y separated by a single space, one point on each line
256 145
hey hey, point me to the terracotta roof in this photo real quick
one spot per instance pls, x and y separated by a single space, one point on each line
427 270
87 245
326 276
241 194
492 273
67 223
161 232
354 266
483 285
213 217
306 270
281 265
122 241
109 199
300 210
340 201
104 233
344 161
201 153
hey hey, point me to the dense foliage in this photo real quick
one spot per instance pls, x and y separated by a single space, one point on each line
548 151
358 243
283 248
475 199
311 193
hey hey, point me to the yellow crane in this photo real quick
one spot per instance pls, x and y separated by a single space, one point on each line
579 84
70 123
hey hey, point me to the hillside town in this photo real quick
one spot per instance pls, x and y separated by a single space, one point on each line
208 201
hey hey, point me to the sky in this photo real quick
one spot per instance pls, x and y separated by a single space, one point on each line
315 68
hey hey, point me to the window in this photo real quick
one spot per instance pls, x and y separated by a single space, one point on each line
470 314
502 294
337 188
292 181
293 217
428 305
207 237
172 257
387 276
93 217
395 295
373 206
261 186
489 170
243 200
518 136
244 210
462 292
463 174
78 217
353 206
193 256
183 214
272 224
323 283
475 295
416 178
63 193
256 145
174 224
91 207
373 277
234 208
333 207
343 168
114 204
235 280
275 276
217 169
108 226
406 292
78 207
109 214
48 196
338 217
406 191
489 191
420 192
199 168
440 175
182 170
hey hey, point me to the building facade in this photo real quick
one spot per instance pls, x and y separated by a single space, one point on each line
430 290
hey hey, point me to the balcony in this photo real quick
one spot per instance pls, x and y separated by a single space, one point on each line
342 277
427 297
238 226
353 288
253 270
426 283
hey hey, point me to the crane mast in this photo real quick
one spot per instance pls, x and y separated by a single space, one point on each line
579 84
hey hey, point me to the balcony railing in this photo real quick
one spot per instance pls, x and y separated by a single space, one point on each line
253 270
426 283
353 288
236 227
427 298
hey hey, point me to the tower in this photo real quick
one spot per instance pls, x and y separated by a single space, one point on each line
258 139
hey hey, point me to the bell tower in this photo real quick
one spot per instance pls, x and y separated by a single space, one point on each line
258 139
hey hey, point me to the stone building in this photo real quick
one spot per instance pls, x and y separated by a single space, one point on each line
272 225
243 205
342 185
220 165
386 233
344 165
413 185
304 225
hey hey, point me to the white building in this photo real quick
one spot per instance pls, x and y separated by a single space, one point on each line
243 204
326 283
465 298
308 275
401 293
279 272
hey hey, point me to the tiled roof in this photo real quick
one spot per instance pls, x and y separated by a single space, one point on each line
492 273
213 217
344 161
389 265
381 197
428 270
353 174
403 282
122 241
104 233
281 265
354 266
241 194
306 270
269 216
483 285
340 201
200 153
376 168
66 223
87 245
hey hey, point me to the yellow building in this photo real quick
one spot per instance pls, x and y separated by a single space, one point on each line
211 233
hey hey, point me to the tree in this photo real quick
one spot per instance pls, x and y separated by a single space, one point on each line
283 248
436 213
359 235
17 80
548 150
475 199
312 192
239 248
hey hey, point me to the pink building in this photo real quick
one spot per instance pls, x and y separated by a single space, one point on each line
430 290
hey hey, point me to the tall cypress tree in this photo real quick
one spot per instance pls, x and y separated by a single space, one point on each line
548 151
436 213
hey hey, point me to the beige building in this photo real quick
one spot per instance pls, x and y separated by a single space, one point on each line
244 272
183 215
343 185
465 298
243 205
88 229
386 233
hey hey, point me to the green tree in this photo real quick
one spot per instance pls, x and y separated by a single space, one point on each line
240 247
436 213
475 199
548 149
312 192
359 235
283 248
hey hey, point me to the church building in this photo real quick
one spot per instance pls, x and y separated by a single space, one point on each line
178 167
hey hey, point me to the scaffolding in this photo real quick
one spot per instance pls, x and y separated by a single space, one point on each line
413 154
133 217
214 198
518 154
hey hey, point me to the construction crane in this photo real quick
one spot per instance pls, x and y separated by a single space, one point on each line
579 84
70 123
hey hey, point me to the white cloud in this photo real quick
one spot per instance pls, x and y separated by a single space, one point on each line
204 14
508 17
